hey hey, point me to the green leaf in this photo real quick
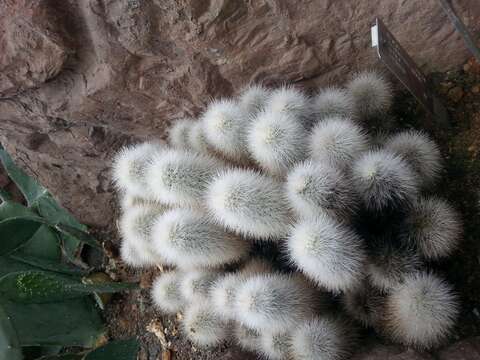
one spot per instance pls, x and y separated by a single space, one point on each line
15 232
44 245
9 344
116 350
29 187
46 264
78 234
5 195
42 287
73 322
9 265
10 209
62 357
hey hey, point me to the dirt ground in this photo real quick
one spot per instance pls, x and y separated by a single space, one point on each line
131 314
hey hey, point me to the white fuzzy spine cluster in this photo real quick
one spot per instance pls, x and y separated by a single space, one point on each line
249 203
253 99
277 141
322 338
129 168
421 312
289 100
314 187
247 338
203 327
384 179
434 227
225 124
272 302
196 285
420 152
197 140
188 239
166 294
178 134
333 102
275 345
338 141
223 294
181 178
371 93
328 252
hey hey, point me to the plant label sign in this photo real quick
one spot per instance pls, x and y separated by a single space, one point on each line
404 68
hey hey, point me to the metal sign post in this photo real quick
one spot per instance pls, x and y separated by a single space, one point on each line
407 72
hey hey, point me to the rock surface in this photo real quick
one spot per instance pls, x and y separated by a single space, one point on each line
79 78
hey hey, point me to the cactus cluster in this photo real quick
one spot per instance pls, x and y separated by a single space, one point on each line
286 224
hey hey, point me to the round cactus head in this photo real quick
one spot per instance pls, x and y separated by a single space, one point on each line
275 345
253 99
179 177
203 327
197 140
134 257
197 284
322 338
178 133
225 124
421 312
328 252
249 203
166 293
277 141
384 180
434 227
420 152
223 293
188 239
371 93
129 167
272 302
289 100
315 187
337 141
333 102
136 229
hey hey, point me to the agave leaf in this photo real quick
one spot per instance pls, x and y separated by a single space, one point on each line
9 344
16 232
44 287
45 264
116 350
10 209
74 322
62 357
5 195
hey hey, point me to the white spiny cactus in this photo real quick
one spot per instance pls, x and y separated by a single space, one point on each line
253 99
420 152
225 124
197 140
204 327
333 102
277 141
196 285
434 227
328 252
421 312
178 134
166 294
338 141
272 302
322 338
383 179
179 177
313 187
128 201
136 228
249 203
247 338
275 345
289 100
129 167
134 257
390 263
188 239
371 93
223 293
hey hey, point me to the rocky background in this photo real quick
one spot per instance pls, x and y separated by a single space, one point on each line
81 78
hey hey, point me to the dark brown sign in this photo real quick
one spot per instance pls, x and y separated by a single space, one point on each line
404 68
